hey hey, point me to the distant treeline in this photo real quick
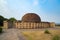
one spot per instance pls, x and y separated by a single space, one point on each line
3 19
57 24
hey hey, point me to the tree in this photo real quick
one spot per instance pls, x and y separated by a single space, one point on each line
1 20
0 30
12 19
5 19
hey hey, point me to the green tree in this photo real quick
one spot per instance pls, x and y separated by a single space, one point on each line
1 20
5 19
0 30
12 19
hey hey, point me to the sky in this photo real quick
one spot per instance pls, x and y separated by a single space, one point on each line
48 10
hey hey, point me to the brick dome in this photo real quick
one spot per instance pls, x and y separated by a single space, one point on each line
31 17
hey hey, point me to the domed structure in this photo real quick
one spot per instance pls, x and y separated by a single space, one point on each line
31 17
29 21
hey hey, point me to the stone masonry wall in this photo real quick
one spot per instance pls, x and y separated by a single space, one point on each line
29 25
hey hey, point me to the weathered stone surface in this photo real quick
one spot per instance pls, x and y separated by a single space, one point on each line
31 17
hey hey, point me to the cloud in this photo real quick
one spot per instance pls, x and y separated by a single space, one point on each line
43 1
4 10
35 2
3 6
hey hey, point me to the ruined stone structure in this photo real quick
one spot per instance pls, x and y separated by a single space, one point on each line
29 21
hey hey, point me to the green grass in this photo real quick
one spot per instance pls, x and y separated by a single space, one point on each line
56 37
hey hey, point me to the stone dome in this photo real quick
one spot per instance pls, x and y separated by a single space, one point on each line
31 17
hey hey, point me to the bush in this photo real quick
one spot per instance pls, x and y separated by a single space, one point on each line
47 32
0 30
56 37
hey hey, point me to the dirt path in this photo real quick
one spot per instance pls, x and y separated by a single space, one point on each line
12 34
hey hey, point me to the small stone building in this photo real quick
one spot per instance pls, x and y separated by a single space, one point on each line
29 21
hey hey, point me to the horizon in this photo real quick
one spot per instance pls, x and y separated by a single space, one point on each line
48 10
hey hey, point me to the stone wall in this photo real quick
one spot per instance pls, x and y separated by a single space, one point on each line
33 25
52 24
29 25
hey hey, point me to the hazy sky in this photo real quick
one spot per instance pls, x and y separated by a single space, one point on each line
48 10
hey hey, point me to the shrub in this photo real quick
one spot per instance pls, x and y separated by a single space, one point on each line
0 30
47 32
56 37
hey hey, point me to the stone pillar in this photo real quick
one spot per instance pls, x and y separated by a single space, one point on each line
31 25
28 25
5 24
22 25
36 25
45 25
25 25
16 24
39 25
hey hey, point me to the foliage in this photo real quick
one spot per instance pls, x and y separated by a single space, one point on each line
47 32
5 19
12 19
2 19
0 30
56 37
